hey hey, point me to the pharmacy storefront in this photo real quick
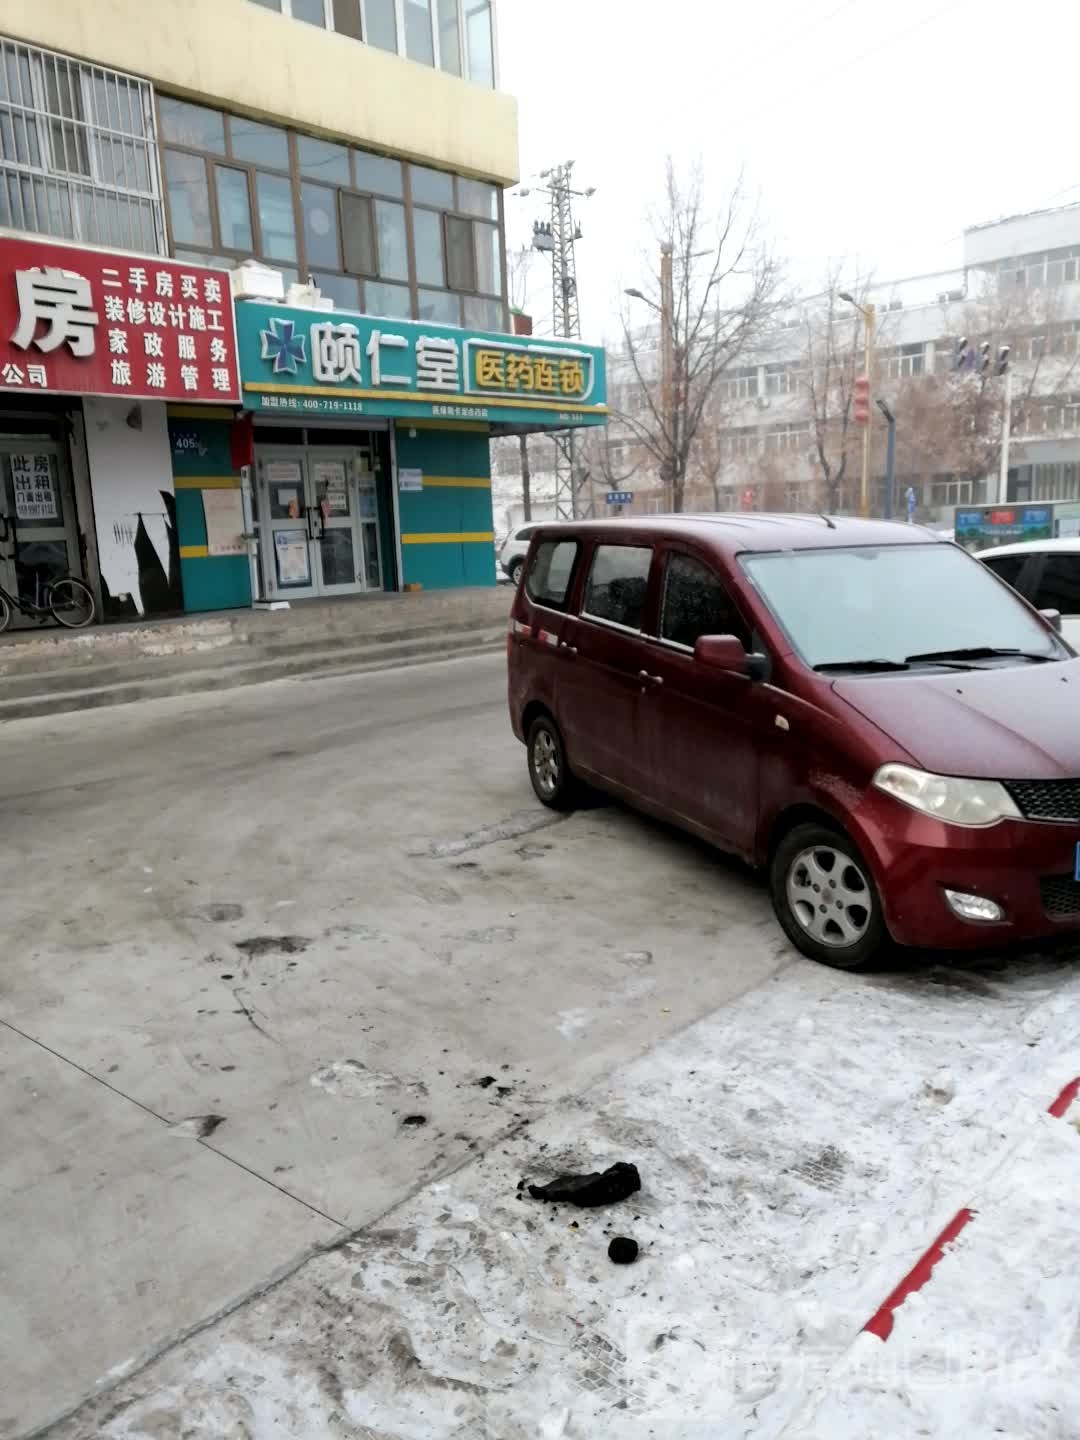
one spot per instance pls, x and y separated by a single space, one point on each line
370 442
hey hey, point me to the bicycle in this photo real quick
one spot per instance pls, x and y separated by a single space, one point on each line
67 600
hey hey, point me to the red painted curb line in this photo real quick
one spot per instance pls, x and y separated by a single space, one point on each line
881 1322
1065 1099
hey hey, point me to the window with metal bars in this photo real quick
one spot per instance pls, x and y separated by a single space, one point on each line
78 154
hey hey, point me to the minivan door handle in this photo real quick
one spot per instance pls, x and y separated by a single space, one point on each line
655 681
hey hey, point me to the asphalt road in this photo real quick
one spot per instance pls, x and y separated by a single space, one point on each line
250 940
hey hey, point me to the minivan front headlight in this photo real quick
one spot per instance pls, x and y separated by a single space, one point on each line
946 797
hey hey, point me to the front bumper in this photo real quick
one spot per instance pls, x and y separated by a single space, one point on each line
915 859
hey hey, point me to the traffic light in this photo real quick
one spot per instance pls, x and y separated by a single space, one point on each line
1002 360
861 400
984 358
962 355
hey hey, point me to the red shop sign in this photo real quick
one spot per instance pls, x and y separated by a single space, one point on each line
92 322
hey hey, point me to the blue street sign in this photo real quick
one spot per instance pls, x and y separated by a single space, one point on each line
620 497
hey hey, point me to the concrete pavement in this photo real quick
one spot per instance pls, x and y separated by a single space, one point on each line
313 911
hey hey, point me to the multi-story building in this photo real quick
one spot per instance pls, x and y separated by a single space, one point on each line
1019 286
338 165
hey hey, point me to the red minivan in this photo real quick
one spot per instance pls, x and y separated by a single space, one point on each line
858 706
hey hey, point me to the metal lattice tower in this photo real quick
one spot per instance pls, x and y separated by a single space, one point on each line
558 238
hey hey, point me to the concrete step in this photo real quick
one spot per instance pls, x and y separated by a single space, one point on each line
47 675
322 662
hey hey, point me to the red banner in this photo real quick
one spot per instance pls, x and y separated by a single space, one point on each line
91 322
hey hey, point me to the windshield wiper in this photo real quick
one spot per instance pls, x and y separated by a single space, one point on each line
981 652
843 665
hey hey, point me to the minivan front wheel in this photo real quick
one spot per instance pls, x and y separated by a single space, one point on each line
551 778
825 899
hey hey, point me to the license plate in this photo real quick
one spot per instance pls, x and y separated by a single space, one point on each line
1076 872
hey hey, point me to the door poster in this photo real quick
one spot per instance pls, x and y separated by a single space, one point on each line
292 557
223 512
331 484
35 496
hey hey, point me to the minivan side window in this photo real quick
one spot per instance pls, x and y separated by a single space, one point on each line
695 603
548 580
1059 587
1007 567
618 582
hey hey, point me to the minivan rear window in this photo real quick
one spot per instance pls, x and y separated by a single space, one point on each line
548 580
618 582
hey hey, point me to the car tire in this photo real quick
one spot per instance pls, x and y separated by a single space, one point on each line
517 570
825 898
552 779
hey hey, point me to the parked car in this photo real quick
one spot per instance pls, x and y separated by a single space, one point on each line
1045 572
857 707
514 549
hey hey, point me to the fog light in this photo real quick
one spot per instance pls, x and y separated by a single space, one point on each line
973 907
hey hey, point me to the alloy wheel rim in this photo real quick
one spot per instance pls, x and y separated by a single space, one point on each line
829 896
545 761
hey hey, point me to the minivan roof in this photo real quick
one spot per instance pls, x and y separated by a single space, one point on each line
736 532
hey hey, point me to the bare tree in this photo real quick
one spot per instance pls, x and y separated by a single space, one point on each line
833 357
712 294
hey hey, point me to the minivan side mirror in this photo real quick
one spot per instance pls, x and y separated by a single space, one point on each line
727 652
1052 618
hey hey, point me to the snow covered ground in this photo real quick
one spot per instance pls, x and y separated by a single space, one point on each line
799 1150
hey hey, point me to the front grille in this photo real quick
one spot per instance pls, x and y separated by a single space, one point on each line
1046 799
1060 896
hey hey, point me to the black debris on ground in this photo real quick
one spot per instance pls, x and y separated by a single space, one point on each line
623 1250
415 1120
598 1188
273 945
485 1081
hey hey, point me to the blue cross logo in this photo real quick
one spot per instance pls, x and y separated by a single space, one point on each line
283 346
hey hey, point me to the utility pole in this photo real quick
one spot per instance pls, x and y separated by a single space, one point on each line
667 365
1006 428
890 457
864 385
557 238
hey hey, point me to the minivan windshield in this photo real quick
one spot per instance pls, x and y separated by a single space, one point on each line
888 606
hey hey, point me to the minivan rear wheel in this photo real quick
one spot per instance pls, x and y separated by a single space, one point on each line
825 899
551 777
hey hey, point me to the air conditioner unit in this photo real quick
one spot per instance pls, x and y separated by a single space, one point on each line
252 281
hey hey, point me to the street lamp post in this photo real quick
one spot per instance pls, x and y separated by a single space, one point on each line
667 358
867 312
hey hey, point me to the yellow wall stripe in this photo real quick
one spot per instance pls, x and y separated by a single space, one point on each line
426 398
201 412
193 552
465 537
456 482
206 482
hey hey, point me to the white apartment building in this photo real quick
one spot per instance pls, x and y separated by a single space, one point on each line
1020 282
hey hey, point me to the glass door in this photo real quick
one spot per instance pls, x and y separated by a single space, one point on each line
339 558
39 537
285 525
368 509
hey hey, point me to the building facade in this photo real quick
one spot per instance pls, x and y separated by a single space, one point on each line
759 445
321 162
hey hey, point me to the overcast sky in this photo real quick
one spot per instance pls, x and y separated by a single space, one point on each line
874 129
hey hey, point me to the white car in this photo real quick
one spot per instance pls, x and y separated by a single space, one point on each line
515 547
1046 573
